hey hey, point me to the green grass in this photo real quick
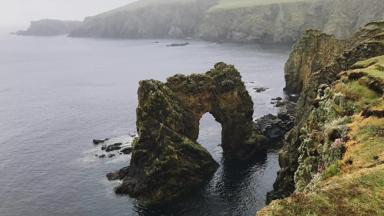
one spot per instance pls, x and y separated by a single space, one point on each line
331 170
360 193
367 145
142 4
361 95
235 4
373 67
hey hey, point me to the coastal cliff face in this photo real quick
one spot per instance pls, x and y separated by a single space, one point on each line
332 160
314 50
278 21
147 19
50 27
167 162
284 21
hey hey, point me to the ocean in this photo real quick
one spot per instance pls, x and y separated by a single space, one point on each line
59 93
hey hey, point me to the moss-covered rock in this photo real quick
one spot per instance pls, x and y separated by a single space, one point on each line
338 136
167 162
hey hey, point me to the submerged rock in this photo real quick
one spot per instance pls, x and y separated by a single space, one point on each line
127 150
167 161
97 141
177 44
260 89
113 147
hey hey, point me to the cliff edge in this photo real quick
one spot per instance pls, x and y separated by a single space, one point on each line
248 21
332 162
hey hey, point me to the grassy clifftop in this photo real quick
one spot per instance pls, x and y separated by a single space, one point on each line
334 157
266 21
233 4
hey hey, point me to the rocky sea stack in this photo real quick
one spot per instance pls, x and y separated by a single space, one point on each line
167 161
332 162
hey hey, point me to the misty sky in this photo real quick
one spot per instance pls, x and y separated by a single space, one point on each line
17 13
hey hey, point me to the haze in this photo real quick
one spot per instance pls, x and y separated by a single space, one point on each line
18 13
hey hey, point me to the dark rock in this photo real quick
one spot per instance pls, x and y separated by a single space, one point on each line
260 89
97 141
102 156
103 147
111 155
118 175
113 147
277 99
127 150
178 44
275 127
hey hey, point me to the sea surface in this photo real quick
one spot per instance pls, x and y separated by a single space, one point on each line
59 93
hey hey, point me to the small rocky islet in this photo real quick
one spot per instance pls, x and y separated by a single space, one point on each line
167 162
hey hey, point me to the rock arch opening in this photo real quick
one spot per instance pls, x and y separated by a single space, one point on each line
167 161
210 136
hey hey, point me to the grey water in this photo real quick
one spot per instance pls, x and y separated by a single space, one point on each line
58 93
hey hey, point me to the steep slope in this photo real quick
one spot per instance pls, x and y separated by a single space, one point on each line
281 21
50 27
147 19
275 21
332 159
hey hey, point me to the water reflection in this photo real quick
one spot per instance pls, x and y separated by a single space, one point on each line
237 188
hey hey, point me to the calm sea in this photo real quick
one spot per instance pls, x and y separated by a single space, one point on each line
58 93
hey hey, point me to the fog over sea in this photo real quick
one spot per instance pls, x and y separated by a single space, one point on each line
59 93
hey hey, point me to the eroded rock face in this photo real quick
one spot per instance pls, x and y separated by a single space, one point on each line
299 166
167 162
314 50
239 21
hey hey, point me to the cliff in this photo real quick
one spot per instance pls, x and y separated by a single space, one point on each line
147 19
50 27
332 160
283 21
276 21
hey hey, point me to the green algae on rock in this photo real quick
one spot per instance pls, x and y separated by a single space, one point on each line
167 161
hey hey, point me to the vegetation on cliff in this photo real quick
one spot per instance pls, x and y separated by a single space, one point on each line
277 21
167 161
333 159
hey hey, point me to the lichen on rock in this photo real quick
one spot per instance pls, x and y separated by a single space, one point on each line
331 158
167 161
